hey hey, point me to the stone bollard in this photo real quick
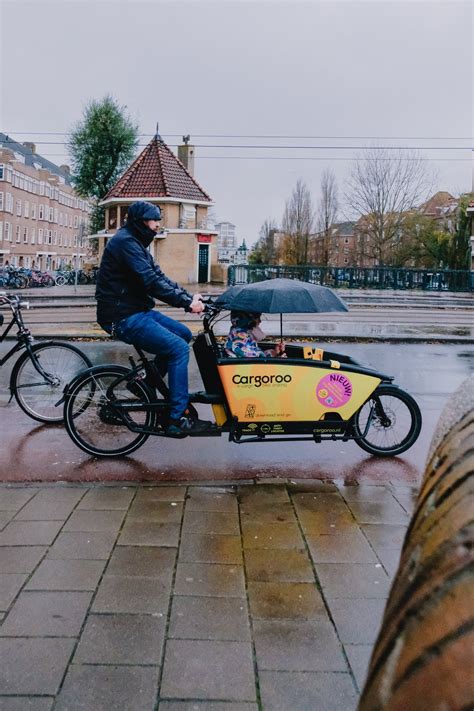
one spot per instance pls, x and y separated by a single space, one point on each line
423 659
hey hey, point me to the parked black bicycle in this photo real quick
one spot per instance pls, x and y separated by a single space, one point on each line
40 374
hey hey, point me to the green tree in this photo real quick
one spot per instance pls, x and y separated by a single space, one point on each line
423 244
460 252
101 146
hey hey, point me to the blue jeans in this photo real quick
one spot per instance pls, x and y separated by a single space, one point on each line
168 340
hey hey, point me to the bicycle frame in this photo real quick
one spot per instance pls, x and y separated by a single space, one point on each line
341 430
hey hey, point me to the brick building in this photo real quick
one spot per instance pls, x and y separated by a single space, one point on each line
43 222
337 248
186 249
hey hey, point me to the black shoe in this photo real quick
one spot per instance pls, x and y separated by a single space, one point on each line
187 425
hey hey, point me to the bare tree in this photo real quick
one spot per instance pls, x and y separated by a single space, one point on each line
298 224
264 249
327 212
384 186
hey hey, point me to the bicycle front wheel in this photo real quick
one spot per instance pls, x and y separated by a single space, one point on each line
95 413
39 392
388 423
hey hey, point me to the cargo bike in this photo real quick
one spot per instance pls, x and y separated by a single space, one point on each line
312 394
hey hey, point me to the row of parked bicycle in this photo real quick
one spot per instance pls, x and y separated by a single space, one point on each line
22 278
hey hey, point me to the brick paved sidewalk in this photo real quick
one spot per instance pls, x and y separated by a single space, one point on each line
206 598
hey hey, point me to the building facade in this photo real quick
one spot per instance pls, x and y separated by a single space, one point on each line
43 222
186 249
337 248
226 242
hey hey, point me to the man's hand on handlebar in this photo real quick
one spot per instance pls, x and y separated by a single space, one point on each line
196 306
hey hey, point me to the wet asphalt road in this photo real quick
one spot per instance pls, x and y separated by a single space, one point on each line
431 373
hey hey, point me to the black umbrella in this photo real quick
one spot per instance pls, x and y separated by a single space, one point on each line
281 296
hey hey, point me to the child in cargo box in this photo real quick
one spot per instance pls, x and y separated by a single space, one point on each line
244 335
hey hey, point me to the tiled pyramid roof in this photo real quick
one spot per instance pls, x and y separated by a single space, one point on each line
157 173
431 206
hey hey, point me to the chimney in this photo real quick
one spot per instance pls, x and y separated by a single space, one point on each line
186 155
31 146
65 169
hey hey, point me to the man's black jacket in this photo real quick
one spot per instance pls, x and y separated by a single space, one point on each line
129 280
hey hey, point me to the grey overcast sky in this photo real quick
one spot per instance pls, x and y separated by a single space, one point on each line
321 72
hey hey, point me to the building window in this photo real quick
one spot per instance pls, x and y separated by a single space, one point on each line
18 208
17 233
55 237
2 171
56 214
76 221
33 211
50 214
40 236
112 217
25 235
33 235
9 203
60 239
41 188
27 208
41 212
1 231
1 201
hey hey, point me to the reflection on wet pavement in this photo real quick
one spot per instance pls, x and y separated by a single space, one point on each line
429 372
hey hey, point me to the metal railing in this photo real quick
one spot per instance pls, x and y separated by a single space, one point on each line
357 278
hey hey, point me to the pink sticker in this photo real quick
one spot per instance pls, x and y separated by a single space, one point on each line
334 390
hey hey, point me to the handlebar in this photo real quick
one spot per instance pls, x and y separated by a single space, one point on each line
13 301
210 307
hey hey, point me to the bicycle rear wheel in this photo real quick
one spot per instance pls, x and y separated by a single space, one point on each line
92 417
391 421
37 395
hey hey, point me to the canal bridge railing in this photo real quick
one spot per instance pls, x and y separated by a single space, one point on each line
357 277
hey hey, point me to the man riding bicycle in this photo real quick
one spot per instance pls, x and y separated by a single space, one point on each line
127 283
